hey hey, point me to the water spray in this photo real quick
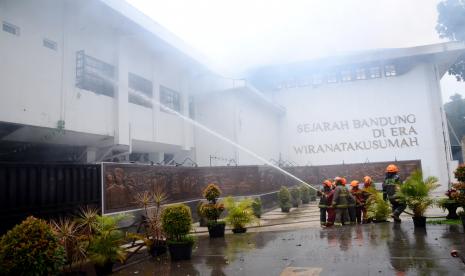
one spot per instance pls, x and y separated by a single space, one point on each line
227 140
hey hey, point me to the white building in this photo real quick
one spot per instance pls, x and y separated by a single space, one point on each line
98 70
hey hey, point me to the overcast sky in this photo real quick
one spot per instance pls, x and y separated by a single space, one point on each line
241 34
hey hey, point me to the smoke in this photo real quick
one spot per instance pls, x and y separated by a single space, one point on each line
242 34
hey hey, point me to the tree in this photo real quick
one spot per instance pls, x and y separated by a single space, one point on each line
455 114
451 25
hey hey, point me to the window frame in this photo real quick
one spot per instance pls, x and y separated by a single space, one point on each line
174 98
7 25
378 72
391 72
89 81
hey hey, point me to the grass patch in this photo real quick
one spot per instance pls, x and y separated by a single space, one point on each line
445 221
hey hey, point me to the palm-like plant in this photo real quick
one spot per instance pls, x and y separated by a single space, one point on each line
68 233
240 213
415 192
377 208
87 220
151 202
105 244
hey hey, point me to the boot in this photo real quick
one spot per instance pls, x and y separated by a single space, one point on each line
396 218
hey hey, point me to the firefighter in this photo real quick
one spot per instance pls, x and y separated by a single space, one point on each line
391 185
340 201
357 194
323 204
367 191
330 211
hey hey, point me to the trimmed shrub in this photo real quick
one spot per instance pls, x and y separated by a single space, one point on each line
177 222
305 194
212 211
212 192
295 194
460 173
31 248
257 207
284 198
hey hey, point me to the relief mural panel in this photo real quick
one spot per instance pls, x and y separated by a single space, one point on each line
123 181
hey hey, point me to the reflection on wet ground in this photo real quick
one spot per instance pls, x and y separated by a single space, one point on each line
374 249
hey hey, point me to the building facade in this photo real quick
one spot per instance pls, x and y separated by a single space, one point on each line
92 81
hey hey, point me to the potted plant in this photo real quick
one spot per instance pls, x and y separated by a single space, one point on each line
378 210
153 237
462 218
31 248
284 198
202 219
105 244
177 223
257 207
305 194
459 197
449 204
69 235
240 214
460 173
312 194
415 193
295 195
213 210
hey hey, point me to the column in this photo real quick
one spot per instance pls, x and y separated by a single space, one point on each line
122 135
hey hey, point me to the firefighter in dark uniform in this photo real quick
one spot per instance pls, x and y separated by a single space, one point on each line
341 201
359 200
391 185
324 193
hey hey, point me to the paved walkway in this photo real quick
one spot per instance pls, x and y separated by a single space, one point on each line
301 247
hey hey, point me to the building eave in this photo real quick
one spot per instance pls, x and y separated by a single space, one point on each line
148 24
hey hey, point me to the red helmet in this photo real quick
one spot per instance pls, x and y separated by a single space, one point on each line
344 181
327 183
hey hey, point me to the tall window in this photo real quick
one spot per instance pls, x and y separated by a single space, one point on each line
375 72
360 74
191 107
346 75
317 79
390 70
140 90
170 98
94 75
10 28
332 78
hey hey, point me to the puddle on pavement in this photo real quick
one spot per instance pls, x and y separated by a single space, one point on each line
378 249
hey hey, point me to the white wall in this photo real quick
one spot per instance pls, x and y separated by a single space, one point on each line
412 93
241 118
37 85
29 72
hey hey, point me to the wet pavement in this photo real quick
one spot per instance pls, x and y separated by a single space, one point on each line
373 249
